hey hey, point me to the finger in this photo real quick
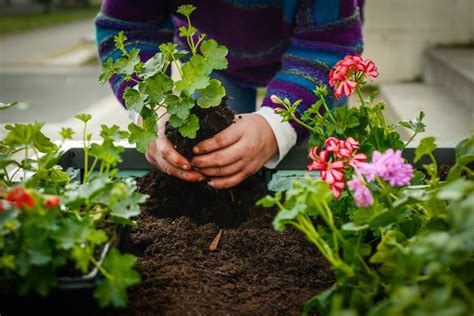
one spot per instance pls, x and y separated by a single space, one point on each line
190 176
224 139
170 154
228 182
219 158
223 171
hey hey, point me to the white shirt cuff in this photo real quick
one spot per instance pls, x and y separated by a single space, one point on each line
285 135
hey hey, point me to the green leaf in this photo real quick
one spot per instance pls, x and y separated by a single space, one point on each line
175 121
456 189
215 54
142 136
426 147
270 201
134 99
119 41
107 152
112 133
187 31
190 127
66 133
170 50
354 227
108 71
285 215
153 66
73 232
211 95
157 86
180 107
186 9
83 117
112 290
194 77
416 126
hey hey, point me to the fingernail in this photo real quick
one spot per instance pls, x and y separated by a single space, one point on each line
210 182
201 179
185 167
196 150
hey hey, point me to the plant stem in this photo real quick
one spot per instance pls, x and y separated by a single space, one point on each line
87 175
410 140
328 111
434 180
86 149
101 269
361 97
300 122
7 177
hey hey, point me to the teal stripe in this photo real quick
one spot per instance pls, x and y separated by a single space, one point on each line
289 9
326 12
305 83
329 58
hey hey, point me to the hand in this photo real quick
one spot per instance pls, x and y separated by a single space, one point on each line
162 154
237 152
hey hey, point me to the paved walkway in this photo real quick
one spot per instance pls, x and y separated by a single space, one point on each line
43 68
32 47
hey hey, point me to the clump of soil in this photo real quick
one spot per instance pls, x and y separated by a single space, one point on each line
211 122
254 270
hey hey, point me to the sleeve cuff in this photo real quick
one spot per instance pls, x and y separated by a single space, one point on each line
284 133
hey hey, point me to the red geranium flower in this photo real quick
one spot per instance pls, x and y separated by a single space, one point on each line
52 202
349 72
331 172
20 197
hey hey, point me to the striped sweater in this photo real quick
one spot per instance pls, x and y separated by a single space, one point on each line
287 46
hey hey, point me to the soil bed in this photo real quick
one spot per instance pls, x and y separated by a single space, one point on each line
254 270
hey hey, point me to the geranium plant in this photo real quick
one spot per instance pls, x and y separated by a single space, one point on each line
156 94
51 219
400 241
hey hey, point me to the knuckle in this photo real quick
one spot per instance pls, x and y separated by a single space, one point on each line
169 170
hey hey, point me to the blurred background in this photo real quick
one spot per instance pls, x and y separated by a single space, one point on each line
424 50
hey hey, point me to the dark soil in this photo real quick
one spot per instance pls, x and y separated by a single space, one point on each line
254 270
211 121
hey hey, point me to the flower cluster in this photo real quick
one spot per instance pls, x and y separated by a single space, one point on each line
343 153
389 166
349 73
20 198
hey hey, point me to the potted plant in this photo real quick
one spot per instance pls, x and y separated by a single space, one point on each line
399 240
58 229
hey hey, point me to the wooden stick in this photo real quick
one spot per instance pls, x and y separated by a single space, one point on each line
215 242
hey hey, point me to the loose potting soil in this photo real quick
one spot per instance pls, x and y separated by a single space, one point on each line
253 271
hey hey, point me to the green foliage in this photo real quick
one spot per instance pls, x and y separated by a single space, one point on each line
50 221
156 93
409 252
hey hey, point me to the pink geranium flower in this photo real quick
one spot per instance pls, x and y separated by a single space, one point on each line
389 166
362 195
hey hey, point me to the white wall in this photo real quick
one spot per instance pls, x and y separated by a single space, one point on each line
397 32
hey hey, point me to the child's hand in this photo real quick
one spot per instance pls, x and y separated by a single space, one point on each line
237 152
162 154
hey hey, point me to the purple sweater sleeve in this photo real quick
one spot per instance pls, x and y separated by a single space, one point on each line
325 31
146 23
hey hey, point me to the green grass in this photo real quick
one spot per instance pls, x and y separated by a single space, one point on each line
11 23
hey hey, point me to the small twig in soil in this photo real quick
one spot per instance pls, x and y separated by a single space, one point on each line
232 196
215 242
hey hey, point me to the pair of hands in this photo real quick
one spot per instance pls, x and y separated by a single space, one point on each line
224 160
